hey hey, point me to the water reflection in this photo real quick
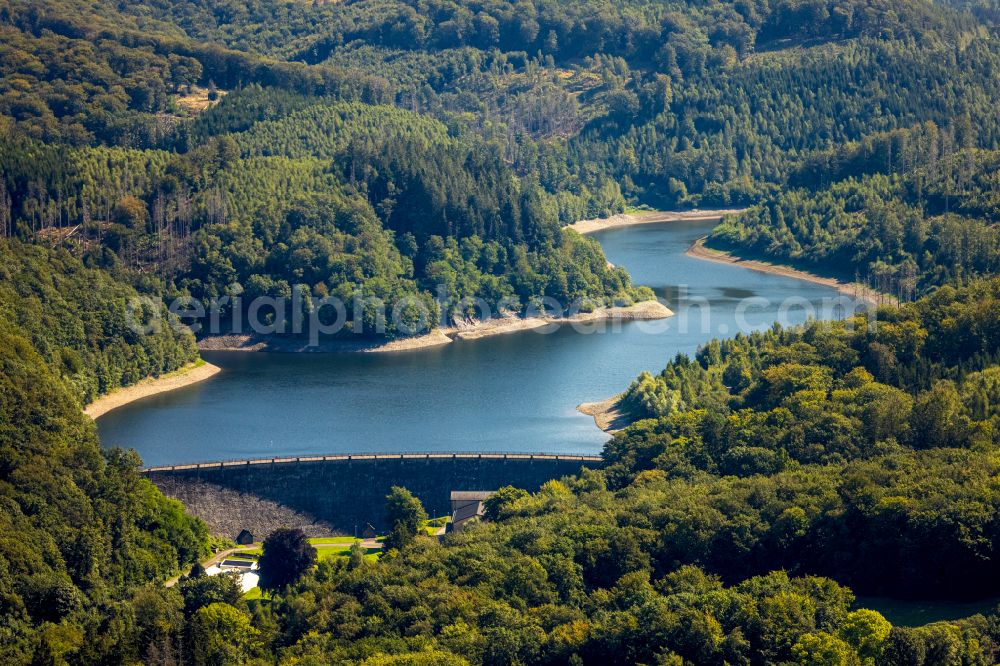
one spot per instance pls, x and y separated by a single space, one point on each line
511 393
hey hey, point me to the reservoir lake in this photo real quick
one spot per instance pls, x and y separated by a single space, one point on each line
509 393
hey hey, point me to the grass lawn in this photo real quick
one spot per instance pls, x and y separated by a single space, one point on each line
324 551
326 548
434 524
330 551
255 593
331 547
335 541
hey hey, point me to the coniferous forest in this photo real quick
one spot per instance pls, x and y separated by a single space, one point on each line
377 150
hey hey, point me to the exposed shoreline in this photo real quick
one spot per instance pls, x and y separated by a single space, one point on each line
189 374
644 310
860 292
650 217
262 343
606 414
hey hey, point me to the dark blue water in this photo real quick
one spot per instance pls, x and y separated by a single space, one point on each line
516 392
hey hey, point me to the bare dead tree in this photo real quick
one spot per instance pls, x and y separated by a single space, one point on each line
6 210
85 221
215 207
159 222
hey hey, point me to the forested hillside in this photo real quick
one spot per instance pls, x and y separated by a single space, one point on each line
492 122
759 473
901 209
80 530
766 482
93 331
909 406
385 151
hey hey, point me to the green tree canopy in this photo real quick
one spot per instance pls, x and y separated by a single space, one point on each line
286 556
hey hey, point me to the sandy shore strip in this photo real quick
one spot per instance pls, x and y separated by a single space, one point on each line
642 311
606 414
189 374
609 418
266 343
645 311
649 217
860 292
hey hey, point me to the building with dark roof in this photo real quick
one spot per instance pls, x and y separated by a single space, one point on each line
467 505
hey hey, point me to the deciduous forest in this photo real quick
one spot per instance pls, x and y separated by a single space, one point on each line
384 149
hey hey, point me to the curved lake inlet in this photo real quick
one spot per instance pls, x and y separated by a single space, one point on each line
511 393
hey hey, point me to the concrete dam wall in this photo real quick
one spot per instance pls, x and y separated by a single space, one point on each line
345 492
